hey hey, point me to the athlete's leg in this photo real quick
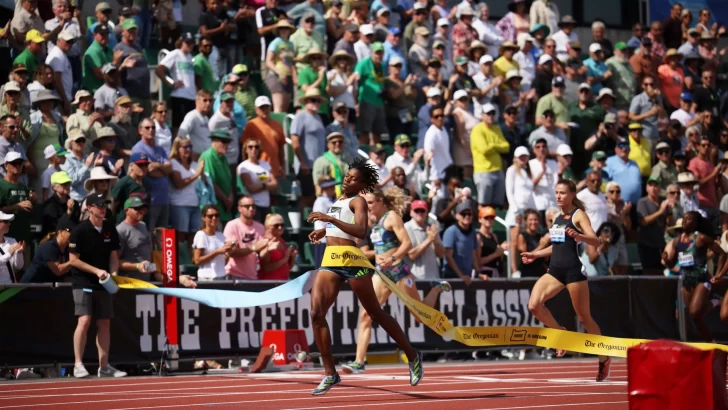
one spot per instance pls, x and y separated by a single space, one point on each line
364 291
699 307
323 294
546 287
364 335
408 286
579 292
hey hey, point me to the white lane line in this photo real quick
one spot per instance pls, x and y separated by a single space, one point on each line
394 403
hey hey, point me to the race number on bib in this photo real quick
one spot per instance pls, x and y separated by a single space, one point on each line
685 259
558 233
376 237
333 212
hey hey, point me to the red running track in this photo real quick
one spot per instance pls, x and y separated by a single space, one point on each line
498 385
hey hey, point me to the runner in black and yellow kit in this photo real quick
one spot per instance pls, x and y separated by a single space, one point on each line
565 269
346 221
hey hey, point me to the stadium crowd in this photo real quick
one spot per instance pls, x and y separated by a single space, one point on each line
471 118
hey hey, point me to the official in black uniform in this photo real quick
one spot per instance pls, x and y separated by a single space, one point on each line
94 255
570 227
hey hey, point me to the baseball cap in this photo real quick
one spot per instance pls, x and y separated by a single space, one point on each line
377 47
679 154
12 156
379 148
434 63
443 22
438 43
227 96
576 45
486 59
623 143
352 28
96 199
107 68
634 126
633 43
459 94
34 36
564 150
521 151
419 6
610 118
422 31
12 86
54 149
65 224
621 45
6 217
558 81
101 28
66 35
220 134
139 158
433 92
103 6
240 69
594 47
464 206
402 139
366 29
584 86
486 212
599 155
129 24
662 145
329 183
395 60
60 178
186 37
383 10
81 94
545 58
261 101
125 11
686 96
395 31
134 202
419 204
654 180
461 60
489 108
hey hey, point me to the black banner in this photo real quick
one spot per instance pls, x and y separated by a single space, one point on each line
38 323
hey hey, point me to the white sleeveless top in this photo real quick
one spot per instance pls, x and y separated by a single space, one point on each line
340 210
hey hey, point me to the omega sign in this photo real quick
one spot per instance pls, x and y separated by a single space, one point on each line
169 259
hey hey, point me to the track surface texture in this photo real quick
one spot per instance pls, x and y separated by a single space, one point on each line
499 385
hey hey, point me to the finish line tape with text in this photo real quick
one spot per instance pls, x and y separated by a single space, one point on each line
484 336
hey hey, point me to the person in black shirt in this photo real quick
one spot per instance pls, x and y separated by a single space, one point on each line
266 19
544 75
512 133
704 95
94 255
214 24
59 203
460 80
50 263
674 132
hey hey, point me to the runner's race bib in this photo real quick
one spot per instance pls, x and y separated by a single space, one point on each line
376 237
558 233
685 260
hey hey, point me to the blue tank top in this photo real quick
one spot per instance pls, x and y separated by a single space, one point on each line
382 239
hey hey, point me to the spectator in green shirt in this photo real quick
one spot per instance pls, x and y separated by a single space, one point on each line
34 47
204 74
16 198
218 169
97 55
246 94
313 75
556 102
372 121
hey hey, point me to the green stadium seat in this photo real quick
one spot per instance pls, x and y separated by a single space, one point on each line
308 254
183 257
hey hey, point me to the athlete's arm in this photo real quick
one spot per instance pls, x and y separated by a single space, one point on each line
542 253
668 255
397 226
581 220
368 252
358 229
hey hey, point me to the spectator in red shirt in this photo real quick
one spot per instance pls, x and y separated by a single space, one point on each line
707 173
658 45
276 259
672 77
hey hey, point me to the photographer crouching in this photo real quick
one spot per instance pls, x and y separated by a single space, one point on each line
94 255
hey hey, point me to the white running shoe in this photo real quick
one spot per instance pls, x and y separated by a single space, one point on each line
110 371
79 371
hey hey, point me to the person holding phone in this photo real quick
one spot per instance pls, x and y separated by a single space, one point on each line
598 261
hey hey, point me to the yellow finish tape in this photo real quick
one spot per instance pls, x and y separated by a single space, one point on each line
131 283
349 256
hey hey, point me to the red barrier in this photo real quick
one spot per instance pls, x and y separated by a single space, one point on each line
667 375
285 344
169 271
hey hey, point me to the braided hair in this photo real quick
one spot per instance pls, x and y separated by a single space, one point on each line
369 173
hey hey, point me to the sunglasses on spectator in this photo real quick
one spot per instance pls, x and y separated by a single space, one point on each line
211 216
552 116
336 142
342 110
310 21
248 206
650 84
148 127
161 111
490 114
511 112
615 191
187 147
466 214
420 211
662 151
705 144
672 192
253 147
11 127
623 146
277 226
489 218
405 145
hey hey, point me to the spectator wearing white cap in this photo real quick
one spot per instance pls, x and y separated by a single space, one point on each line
597 72
555 102
526 61
271 136
544 75
519 185
419 52
487 32
342 124
9 144
62 71
16 198
442 34
487 84
77 164
419 19
434 98
11 259
380 28
106 95
55 155
564 158
366 38
488 144
85 119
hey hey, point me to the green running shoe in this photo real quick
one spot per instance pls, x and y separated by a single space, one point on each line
353 368
326 384
415 368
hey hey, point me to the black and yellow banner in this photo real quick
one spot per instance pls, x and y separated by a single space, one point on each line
349 256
